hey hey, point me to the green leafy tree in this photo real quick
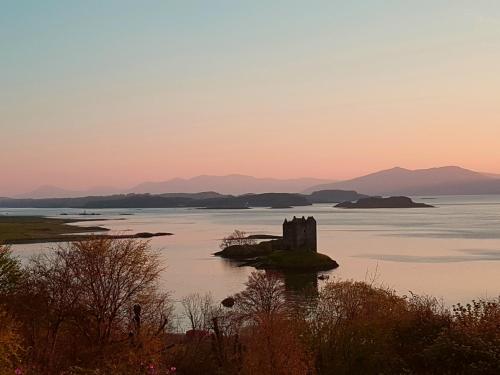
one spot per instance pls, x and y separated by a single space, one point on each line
10 271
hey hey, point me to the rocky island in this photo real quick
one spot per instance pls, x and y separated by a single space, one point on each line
378 202
295 251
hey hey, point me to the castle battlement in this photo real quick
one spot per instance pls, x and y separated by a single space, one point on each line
300 234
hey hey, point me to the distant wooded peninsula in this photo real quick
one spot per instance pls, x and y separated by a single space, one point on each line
207 200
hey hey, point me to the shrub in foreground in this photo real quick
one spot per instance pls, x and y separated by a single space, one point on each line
95 307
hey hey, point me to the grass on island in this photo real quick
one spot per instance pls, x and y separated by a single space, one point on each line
296 261
246 251
33 229
268 255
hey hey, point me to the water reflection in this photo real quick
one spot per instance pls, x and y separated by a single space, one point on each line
300 284
412 250
301 288
470 255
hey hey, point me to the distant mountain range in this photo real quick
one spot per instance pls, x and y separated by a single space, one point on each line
231 184
434 181
49 191
396 181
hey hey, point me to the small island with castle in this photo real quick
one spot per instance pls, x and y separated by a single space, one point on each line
296 250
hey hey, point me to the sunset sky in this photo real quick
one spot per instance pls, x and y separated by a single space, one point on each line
119 92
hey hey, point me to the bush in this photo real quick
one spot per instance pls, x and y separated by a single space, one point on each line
264 296
352 328
471 344
94 307
97 303
10 343
10 271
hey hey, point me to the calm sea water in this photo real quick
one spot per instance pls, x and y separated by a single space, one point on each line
451 251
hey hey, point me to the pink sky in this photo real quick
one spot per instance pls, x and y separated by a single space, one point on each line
327 91
320 136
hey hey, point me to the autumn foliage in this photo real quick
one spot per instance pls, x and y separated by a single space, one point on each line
95 307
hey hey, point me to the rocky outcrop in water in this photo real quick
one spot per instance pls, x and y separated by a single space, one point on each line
377 202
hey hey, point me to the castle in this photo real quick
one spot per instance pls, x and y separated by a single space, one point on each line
300 234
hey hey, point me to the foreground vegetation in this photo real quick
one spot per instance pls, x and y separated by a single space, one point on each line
95 307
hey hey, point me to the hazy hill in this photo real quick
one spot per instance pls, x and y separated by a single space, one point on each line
433 181
230 184
200 195
200 200
395 181
334 196
204 185
493 175
49 191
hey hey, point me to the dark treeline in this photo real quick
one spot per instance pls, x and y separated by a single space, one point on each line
172 200
95 307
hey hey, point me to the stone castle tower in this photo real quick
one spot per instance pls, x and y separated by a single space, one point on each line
300 234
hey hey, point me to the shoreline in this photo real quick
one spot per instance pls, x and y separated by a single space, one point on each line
18 230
